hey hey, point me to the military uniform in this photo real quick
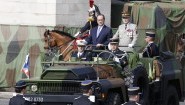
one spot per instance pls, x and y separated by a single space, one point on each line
127 34
121 55
151 49
132 91
92 20
81 54
131 103
19 99
84 99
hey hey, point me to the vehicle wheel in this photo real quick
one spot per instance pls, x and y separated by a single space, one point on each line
171 96
113 99
141 80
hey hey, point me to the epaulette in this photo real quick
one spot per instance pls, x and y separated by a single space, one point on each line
77 97
138 103
124 103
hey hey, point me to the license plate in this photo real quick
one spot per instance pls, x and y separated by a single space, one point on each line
34 99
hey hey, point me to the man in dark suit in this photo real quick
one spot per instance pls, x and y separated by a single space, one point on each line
87 91
82 54
151 49
20 89
99 35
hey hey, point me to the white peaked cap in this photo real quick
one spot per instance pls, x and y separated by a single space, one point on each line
81 42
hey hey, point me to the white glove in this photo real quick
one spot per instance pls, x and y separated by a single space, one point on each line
130 45
92 98
76 34
116 59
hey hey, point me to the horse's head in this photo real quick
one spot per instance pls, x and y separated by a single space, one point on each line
49 40
56 38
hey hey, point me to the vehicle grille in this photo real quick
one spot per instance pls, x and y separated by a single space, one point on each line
58 88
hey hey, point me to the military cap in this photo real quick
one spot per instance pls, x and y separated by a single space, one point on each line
133 90
20 84
81 42
125 14
114 40
87 84
150 34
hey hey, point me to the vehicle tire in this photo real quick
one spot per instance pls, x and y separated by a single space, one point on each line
141 80
171 96
113 99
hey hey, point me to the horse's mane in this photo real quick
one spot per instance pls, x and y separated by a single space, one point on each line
63 33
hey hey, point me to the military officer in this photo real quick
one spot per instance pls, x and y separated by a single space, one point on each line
121 56
20 89
133 93
87 92
127 33
81 54
151 48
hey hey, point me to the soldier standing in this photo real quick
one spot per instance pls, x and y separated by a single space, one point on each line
151 49
127 33
133 96
20 89
87 91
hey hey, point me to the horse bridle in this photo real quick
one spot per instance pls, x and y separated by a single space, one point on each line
58 47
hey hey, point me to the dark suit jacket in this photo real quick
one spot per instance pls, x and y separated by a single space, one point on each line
151 50
18 100
103 38
82 100
86 56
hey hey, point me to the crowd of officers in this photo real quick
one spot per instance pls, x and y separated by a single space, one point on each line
100 36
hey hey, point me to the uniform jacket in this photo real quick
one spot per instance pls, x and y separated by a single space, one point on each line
89 25
82 100
151 50
18 100
86 56
103 38
123 60
127 34
131 103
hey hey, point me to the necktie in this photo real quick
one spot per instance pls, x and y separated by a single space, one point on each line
98 31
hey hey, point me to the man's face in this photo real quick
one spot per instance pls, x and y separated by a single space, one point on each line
125 20
100 20
148 39
81 48
114 46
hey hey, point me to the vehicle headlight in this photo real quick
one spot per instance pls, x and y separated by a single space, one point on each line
34 88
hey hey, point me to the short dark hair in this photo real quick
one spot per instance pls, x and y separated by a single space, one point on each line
102 15
19 90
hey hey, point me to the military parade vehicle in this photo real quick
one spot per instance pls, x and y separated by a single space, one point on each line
161 78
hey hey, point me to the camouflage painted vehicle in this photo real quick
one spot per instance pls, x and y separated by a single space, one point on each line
161 78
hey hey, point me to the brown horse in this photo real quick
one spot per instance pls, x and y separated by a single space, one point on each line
62 40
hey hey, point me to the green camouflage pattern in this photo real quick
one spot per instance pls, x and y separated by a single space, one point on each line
165 17
15 43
